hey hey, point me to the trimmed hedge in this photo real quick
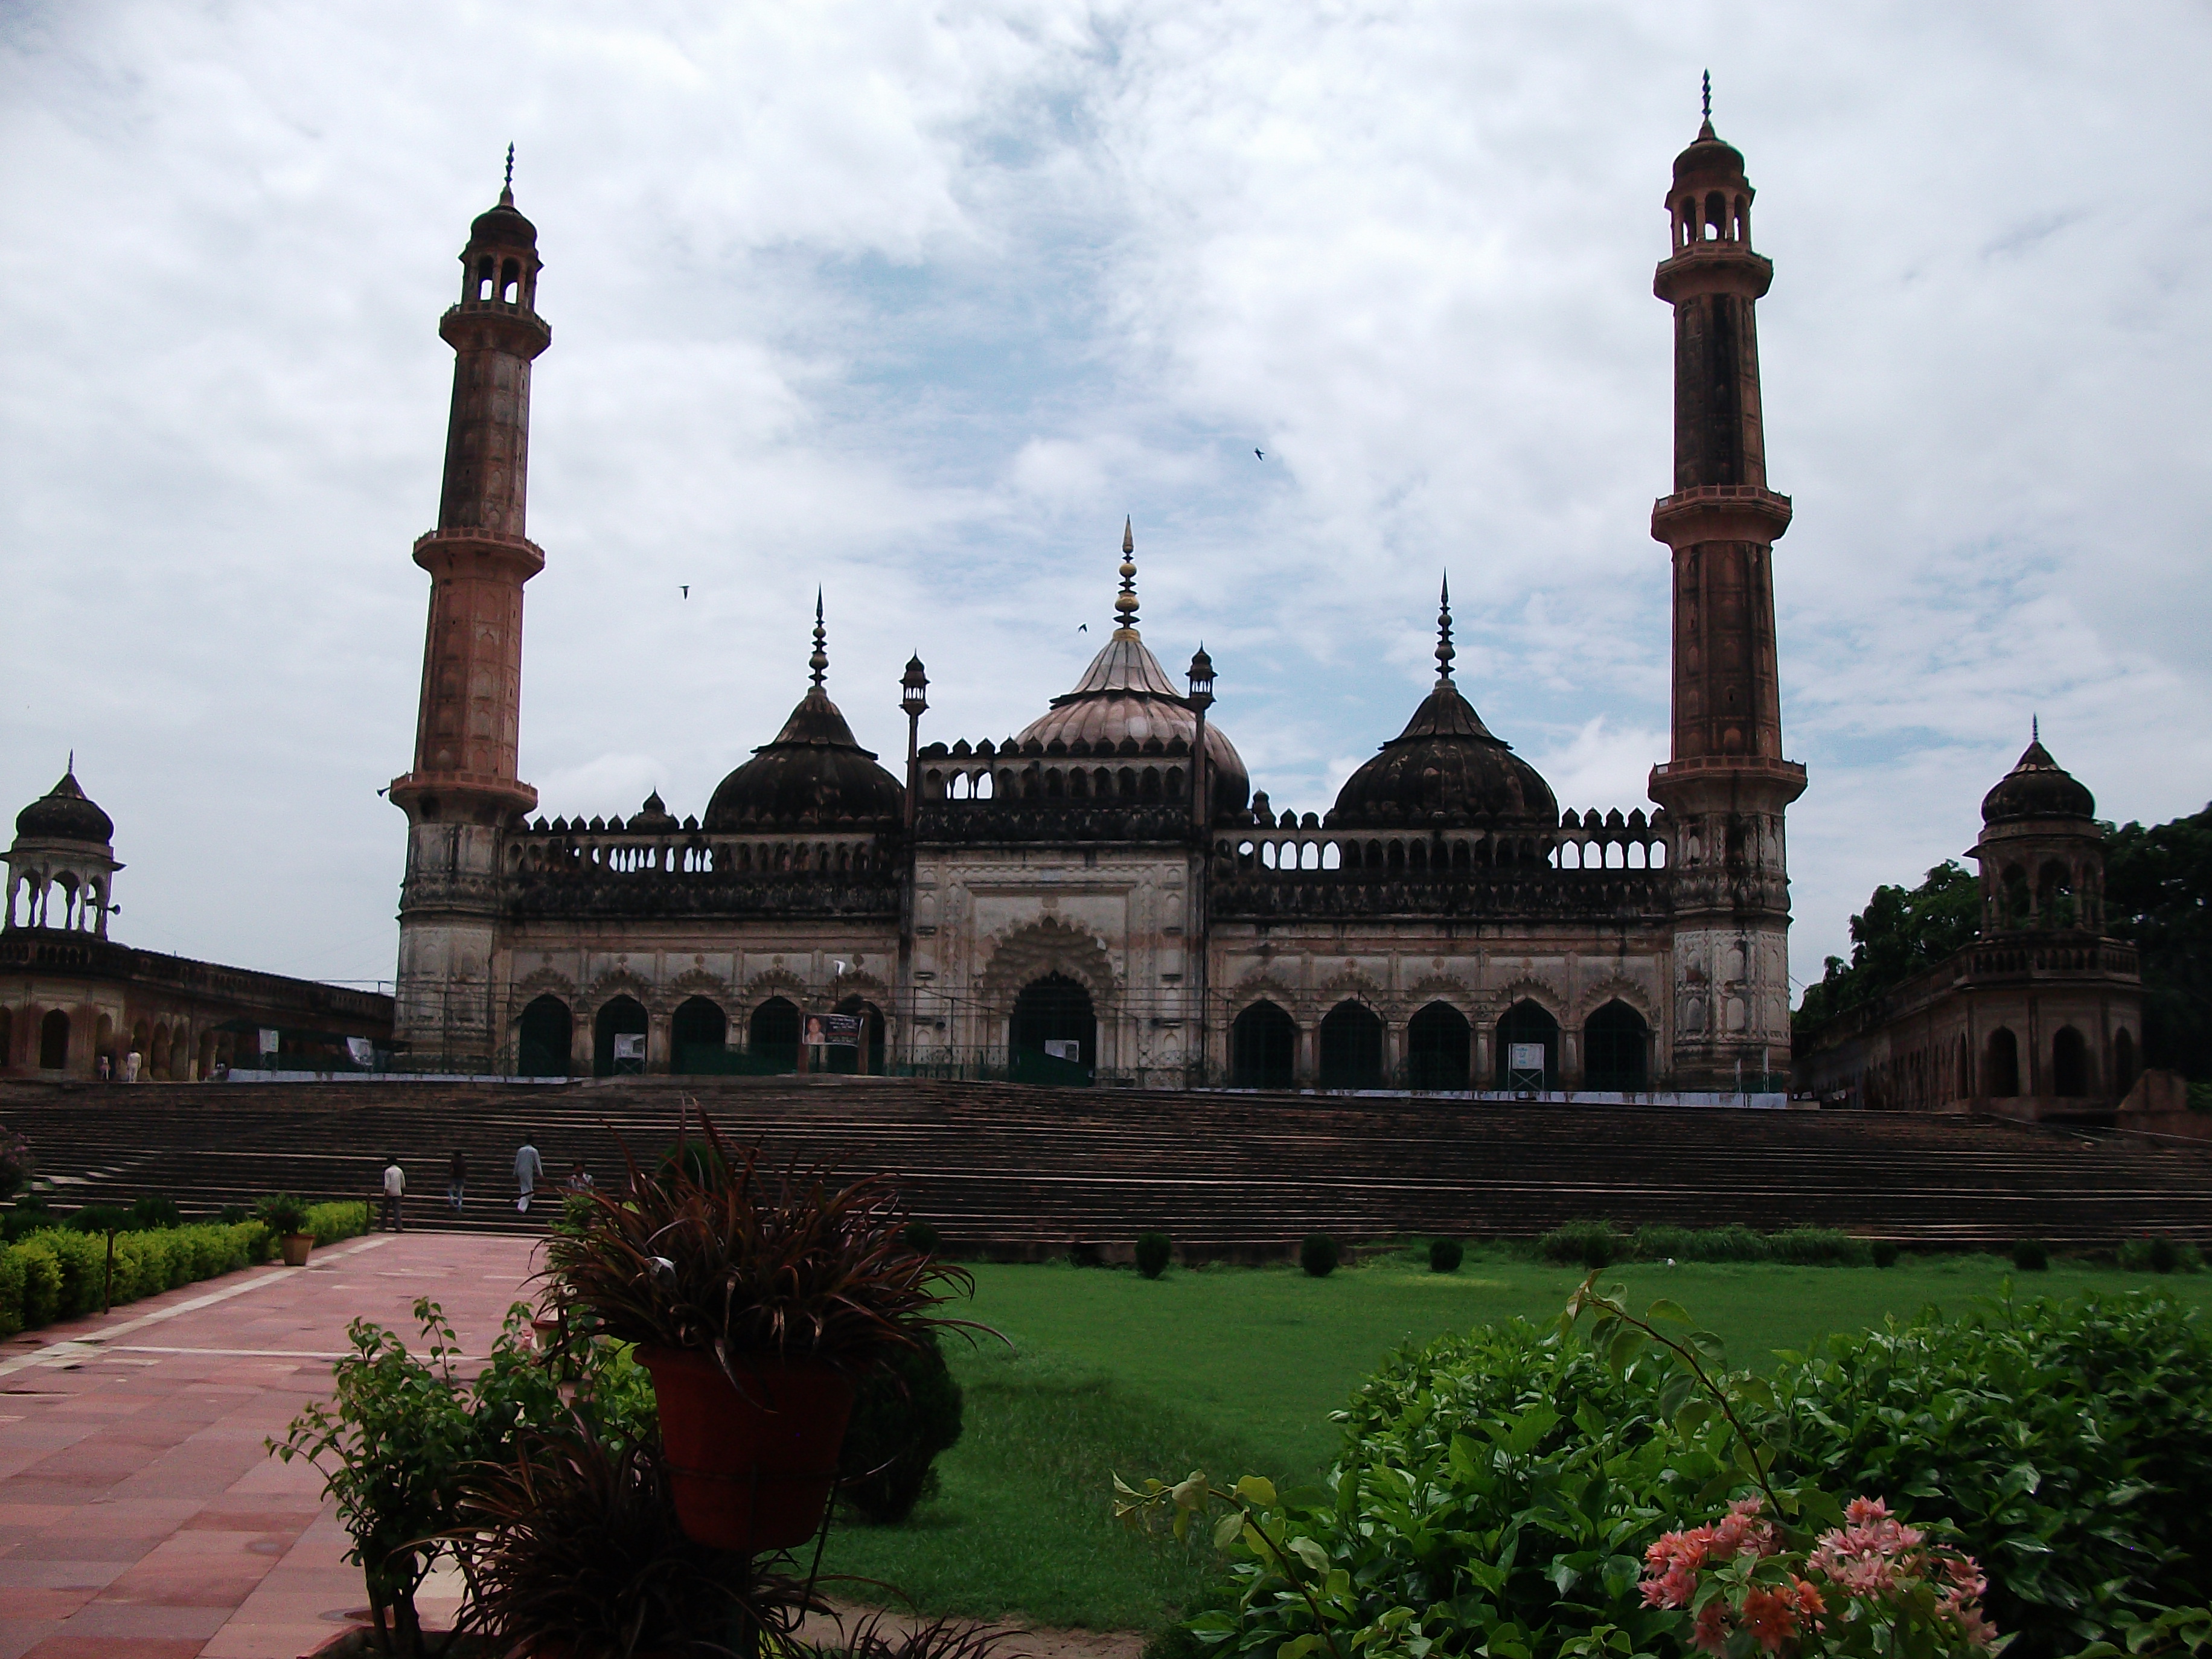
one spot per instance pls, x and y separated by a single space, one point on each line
331 1222
56 1273
1597 1244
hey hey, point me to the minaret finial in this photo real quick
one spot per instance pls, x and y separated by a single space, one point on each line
1444 652
506 189
1709 97
819 662
1125 602
2034 729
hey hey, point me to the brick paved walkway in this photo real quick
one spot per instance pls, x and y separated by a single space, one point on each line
140 1516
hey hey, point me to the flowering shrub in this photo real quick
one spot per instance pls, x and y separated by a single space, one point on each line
1872 1585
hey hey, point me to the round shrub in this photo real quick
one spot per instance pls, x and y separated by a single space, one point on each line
921 1238
2031 1255
1319 1255
1884 1251
1445 1255
1153 1252
101 1219
1600 1250
906 1411
2162 1257
155 1210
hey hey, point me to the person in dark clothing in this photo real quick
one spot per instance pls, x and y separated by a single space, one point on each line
456 1181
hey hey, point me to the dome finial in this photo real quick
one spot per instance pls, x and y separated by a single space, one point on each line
819 662
1125 602
1709 98
1444 652
506 189
2034 728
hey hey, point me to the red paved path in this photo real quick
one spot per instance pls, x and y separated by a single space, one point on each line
140 1516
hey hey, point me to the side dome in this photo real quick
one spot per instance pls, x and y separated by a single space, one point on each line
1446 769
2037 787
813 776
1126 696
63 813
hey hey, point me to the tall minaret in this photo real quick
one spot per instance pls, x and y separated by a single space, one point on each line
1726 784
462 790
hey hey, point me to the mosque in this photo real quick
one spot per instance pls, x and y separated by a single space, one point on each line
1102 894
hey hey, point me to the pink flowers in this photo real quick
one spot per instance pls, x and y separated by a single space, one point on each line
1856 1577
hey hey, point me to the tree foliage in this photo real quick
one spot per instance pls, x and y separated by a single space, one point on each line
1901 933
2157 893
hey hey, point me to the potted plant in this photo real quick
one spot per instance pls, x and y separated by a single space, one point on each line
755 1300
285 1217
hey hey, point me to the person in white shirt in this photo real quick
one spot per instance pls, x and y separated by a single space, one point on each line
395 1189
527 1170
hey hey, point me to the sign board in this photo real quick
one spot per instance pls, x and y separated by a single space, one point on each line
362 1051
1065 1048
1524 1056
629 1045
268 1041
833 1030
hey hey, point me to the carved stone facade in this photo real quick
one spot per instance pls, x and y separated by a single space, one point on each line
2040 1017
1101 891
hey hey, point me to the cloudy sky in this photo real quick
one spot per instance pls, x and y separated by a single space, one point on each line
916 301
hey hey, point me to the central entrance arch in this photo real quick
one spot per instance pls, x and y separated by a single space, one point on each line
699 1036
1057 1010
772 1035
542 1045
872 1039
624 1017
1523 1024
1438 1047
1352 1047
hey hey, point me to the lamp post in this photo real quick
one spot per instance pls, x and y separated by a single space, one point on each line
913 697
1201 816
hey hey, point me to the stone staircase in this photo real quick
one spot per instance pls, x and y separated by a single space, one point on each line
1013 1171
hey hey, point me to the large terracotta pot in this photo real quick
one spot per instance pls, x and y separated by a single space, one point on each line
296 1247
750 1472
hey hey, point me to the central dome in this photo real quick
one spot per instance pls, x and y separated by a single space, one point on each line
1445 770
1125 696
813 776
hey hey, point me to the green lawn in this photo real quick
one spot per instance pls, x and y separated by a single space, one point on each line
1237 1369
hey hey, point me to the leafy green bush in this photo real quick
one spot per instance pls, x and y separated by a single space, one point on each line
2160 1255
1799 1246
1496 1492
906 1411
1318 1254
329 1223
101 1218
1883 1252
920 1236
1445 1255
1154 1252
29 1216
1817 1247
284 1214
154 1210
2031 1256
1577 1242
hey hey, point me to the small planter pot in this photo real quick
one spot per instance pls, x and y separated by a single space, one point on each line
296 1247
750 1472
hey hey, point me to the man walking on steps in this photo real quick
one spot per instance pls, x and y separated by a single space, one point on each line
527 1170
395 1189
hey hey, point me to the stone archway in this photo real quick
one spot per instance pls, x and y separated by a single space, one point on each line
1439 1048
1054 1009
1351 1047
1615 1045
698 1037
623 1016
545 1037
1263 1049
1528 1023
54 1041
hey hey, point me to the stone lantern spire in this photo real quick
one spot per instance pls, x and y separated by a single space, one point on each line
1725 784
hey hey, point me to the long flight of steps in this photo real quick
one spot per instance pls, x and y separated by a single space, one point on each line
1011 1171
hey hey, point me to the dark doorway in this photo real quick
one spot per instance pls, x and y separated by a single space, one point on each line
1352 1047
623 1017
773 1035
699 1038
2002 1069
1438 1048
1056 1009
1526 1023
1263 1049
1615 1041
2123 1063
871 1040
2069 1063
8 1039
546 1034
54 1042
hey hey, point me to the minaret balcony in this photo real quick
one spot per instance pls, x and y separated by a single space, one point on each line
1720 267
496 323
1719 512
464 550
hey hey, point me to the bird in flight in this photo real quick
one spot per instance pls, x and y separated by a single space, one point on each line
687 590
1261 455
1083 628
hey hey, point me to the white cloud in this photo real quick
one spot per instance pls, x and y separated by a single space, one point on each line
916 302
